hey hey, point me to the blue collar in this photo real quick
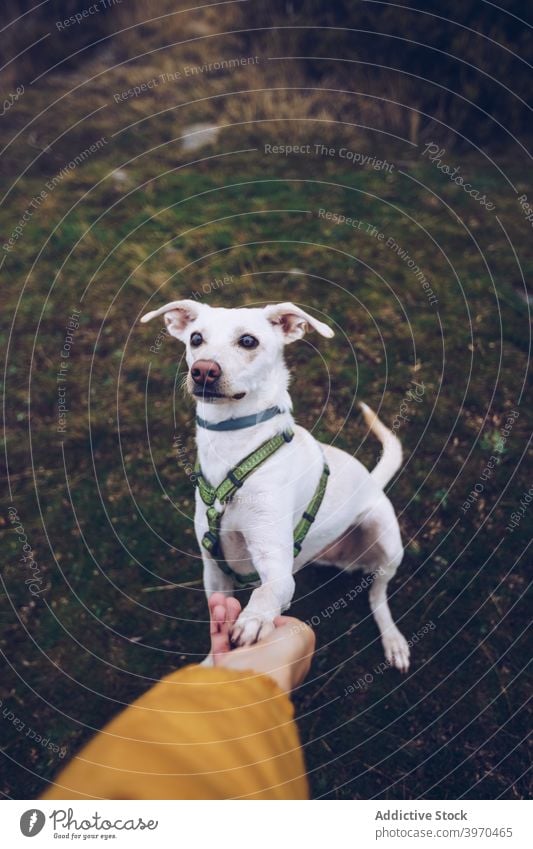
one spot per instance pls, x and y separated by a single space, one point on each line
243 421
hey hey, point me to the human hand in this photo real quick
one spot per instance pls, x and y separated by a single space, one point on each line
285 654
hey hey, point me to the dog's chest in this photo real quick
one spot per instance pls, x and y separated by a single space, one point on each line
217 457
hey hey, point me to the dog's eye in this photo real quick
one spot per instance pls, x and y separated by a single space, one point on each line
196 339
248 341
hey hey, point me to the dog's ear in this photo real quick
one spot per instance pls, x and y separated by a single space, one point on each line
294 322
178 315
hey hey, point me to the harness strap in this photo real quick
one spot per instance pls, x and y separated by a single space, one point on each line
236 476
225 491
229 486
302 528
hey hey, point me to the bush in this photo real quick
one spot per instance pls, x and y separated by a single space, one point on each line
431 59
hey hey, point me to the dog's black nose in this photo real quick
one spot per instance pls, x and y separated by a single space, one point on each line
205 372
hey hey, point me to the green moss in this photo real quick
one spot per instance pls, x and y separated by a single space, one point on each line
119 529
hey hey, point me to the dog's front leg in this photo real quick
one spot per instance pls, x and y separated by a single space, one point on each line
273 562
215 580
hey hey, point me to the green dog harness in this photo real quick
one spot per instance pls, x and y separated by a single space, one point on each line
229 486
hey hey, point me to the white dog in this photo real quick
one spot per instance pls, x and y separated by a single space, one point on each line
261 520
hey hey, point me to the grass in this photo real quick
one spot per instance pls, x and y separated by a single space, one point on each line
107 510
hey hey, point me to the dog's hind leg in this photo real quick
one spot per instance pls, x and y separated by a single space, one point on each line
394 643
374 545
382 534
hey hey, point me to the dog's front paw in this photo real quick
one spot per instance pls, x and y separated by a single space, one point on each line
396 650
250 628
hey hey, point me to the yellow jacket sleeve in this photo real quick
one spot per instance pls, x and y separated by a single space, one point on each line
199 733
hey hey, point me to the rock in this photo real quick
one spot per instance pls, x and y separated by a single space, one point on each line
199 135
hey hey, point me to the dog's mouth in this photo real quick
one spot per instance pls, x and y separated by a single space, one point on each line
212 395
207 394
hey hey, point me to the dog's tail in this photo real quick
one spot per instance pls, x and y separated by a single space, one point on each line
391 459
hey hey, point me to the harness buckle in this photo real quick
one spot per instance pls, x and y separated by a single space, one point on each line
210 541
308 516
235 481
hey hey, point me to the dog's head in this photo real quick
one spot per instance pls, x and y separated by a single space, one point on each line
234 353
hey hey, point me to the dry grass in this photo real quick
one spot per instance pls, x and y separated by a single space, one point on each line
147 39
